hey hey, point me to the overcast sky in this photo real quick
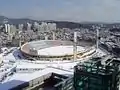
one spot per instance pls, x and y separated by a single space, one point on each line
71 10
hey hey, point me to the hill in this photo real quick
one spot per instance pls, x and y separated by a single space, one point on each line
60 24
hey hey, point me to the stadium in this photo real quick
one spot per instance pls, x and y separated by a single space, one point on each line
54 50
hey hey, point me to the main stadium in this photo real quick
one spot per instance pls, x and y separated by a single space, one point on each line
41 60
54 50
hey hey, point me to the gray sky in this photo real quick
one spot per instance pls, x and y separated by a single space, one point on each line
71 10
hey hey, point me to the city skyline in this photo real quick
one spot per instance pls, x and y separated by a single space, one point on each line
64 10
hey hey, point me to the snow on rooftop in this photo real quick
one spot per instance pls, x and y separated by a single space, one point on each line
27 77
9 57
30 65
18 79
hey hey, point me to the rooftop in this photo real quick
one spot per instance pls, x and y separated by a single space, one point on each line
18 79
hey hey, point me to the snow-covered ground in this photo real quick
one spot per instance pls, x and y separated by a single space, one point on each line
27 70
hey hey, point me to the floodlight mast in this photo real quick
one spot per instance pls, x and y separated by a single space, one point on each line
97 38
20 38
75 46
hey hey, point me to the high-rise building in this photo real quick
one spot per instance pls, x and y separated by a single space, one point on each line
47 26
44 26
11 31
7 27
36 25
29 26
51 26
54 26
93 75
20 27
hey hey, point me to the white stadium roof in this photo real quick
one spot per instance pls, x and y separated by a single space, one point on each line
59 51
50 48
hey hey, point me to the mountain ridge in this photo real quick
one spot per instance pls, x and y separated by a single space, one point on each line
60 24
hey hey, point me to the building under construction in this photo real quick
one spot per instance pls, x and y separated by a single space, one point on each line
97 74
